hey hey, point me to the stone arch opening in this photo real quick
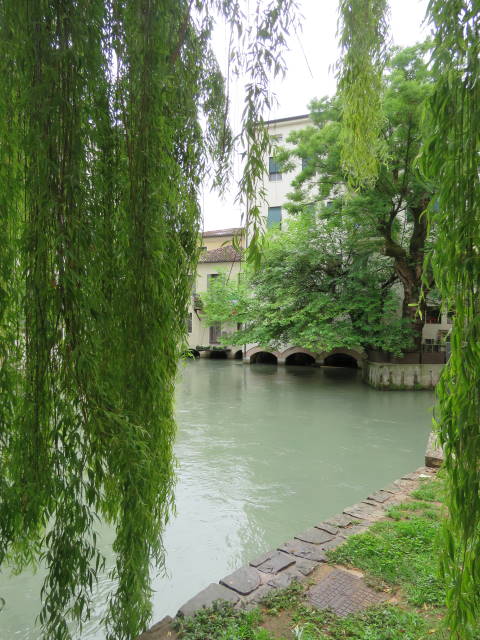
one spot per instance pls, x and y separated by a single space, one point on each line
341 360
218 355
300 359
238 355
263 357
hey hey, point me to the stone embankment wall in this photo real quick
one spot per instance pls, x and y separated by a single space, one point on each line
294 559
402 376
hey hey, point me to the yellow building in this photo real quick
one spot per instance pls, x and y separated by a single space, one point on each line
218 257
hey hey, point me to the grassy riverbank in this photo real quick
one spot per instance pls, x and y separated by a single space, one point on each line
397 557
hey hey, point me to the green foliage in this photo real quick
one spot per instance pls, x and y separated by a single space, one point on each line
400 553
378 623
387 216
450 158
102 112
282 599
222 622
363 31
315 289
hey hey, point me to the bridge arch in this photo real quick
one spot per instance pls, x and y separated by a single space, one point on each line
298 356
257 355
339 357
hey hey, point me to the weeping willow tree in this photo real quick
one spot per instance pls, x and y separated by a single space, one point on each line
450 159
109 113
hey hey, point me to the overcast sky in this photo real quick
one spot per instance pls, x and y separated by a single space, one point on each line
311 56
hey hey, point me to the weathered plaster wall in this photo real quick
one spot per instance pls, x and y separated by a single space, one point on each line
402 376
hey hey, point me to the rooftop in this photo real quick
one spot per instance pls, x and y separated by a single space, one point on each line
222 232
222 254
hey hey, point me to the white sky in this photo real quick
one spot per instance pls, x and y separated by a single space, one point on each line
312 54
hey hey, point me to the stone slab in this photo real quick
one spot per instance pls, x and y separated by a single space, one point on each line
343 593
277 562
243 581
362 511
285 579
392 488
303 550
314 536
340 520
206 598
380 496
305 566
257 596
329 528
262 558
160 631
356 528
333 543
434 454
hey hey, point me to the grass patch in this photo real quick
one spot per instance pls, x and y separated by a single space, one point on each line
431 490
400 553
387 622
223 622
283 599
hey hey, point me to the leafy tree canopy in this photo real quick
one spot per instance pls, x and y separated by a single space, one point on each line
390 211
315 289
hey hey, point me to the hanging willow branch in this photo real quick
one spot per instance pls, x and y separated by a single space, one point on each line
101 156
363 31
451 159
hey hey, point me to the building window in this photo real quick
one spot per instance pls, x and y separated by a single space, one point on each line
239 326
274 172
189 323
274 216
305 163
433 315
210 278
215 333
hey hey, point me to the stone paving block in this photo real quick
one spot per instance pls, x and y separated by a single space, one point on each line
206 598
333 543
314 536
285 579
160 631
392 488
305 566
380 496
303 550
329 528
410 476
243 581
340 520
343 593
356 528
262 558
362 511
278 562
257 596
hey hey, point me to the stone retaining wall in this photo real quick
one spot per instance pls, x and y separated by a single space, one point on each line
389 376
294 559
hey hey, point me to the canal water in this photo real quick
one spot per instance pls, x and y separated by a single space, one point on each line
263 453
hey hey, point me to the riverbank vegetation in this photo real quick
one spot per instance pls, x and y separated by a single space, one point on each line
398 556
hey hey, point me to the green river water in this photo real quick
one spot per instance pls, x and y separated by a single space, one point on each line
263 453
